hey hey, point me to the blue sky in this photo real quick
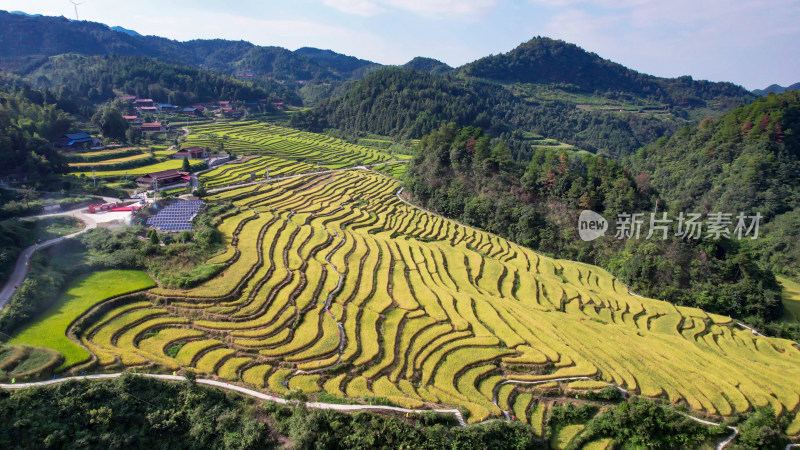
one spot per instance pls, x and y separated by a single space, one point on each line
753 43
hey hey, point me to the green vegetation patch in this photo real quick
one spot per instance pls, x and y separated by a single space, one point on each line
83 293
791 299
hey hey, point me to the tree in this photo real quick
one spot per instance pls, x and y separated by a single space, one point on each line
132 136
501 155
760 430
113 124
186 167
28 194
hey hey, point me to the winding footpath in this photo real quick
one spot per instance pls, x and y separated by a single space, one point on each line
244 391
21 267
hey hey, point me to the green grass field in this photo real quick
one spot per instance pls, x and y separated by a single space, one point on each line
49 330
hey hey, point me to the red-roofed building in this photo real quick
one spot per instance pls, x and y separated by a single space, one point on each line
163 178
191 153
153 127
133 120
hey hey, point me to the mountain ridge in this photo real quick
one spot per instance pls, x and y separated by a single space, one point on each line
775 89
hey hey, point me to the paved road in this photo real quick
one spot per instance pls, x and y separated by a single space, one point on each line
21 267
245 391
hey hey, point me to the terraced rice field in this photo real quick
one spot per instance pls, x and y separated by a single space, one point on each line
334 271
141 170
111 161
393 169
275 151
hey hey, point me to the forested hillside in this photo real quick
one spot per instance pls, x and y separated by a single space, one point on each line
96 79
427 65
408 104
544 86
547 61
746 161
27 120
460 173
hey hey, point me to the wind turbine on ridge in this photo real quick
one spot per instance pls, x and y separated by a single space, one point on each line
76 8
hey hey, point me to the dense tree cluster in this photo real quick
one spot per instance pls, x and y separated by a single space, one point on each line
95 79
128 412
410 104
642 423
746 161
460 173
27 121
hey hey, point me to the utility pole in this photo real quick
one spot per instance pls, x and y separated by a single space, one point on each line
94 178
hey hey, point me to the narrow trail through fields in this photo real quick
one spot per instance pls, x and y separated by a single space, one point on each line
245 391
332 406
21 267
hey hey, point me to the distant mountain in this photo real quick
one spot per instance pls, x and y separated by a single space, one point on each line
544 86
337 62
25 41
126 31
775 89
20 13
430 65
554 62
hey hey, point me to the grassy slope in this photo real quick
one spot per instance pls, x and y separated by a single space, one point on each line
791 299
52 227
50 329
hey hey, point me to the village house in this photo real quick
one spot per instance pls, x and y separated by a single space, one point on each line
191 153
153 127
133 121
163 178
144 103
191 111
77 140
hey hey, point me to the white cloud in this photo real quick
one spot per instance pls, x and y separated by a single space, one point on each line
435 9
358 7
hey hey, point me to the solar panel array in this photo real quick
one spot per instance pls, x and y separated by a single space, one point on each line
176 217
